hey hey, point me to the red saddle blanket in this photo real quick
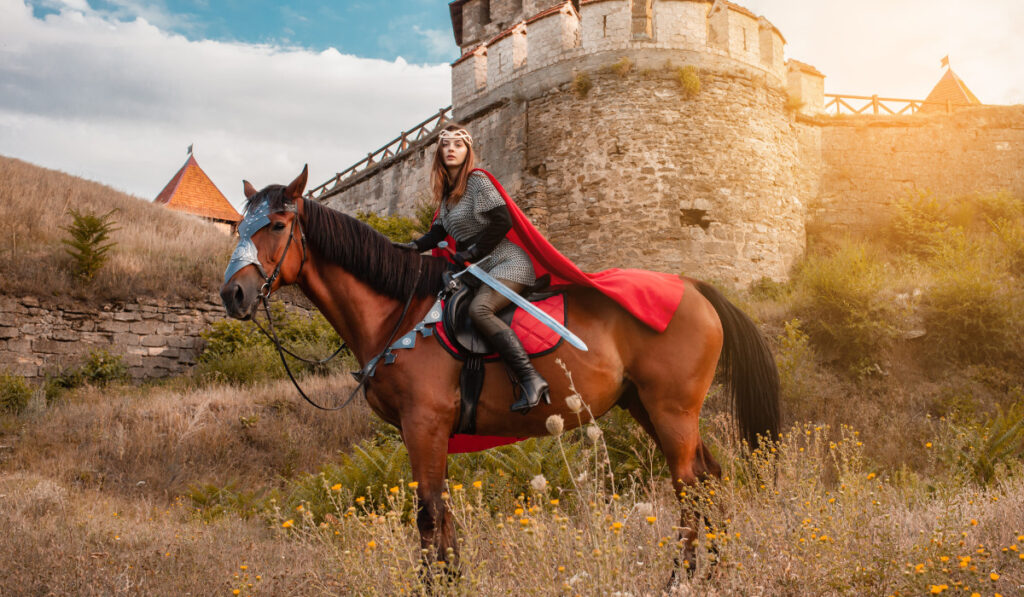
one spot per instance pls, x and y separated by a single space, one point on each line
536 337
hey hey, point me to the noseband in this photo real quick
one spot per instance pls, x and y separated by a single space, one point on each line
268 281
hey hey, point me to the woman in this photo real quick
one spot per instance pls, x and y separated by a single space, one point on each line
475 214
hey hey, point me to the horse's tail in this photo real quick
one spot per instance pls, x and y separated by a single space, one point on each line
749 368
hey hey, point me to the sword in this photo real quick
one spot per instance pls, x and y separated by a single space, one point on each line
520 302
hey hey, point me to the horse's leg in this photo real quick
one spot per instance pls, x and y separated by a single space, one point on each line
428 455
671 409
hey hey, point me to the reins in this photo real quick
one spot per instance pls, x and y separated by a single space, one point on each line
364 374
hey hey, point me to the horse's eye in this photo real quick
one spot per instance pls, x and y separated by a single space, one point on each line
278 226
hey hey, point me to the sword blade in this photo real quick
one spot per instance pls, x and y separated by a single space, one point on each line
527 306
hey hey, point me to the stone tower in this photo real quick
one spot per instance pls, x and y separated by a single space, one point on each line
634 133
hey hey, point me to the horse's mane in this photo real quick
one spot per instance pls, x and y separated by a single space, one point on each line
360 250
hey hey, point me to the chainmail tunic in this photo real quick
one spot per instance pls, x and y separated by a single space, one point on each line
465 221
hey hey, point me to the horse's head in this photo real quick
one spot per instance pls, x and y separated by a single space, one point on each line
271 248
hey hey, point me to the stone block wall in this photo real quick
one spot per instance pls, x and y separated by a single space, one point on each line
869 162
638 175
682 23
156 338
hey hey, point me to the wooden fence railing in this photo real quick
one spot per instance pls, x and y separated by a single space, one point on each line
872 104
396 147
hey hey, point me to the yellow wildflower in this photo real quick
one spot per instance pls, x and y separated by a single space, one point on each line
372 544
393 490
457 487
652 519
994 576
288 523
478 484
413 484
336 487
360 500
554 502
871 476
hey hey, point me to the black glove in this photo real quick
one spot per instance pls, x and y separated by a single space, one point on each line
411 246
436 234
461 257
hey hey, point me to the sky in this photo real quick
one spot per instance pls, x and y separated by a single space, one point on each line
116 90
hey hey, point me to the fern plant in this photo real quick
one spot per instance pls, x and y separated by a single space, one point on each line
88 244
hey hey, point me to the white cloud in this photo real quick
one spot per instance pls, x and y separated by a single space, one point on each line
119 101
439 42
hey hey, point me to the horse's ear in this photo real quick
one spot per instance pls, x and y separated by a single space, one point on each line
297 186
248 189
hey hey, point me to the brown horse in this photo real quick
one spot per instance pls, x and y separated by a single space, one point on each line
360 282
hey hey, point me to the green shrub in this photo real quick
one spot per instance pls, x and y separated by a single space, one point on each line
249 365
841 299
795 360
397 228
688 78
99 368
971 311
581 84
237 352
978 451
999 206
15 393
622 66
1011 235
88 244
920 224
424 215
102 368
767 289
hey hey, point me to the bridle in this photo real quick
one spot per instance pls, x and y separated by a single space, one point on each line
364 374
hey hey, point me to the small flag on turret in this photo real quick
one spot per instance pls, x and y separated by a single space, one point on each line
190 149
945 61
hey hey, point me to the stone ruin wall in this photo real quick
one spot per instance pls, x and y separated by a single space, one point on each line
156 338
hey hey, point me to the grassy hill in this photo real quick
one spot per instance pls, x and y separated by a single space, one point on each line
158 252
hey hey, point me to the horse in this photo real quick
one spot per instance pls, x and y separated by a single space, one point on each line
370 290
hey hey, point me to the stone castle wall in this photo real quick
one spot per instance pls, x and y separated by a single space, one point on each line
635 174
155 338
869 162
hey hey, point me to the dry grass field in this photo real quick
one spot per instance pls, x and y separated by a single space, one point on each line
159 252
899 472
100 494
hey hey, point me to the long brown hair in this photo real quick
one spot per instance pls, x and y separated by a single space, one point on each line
442 187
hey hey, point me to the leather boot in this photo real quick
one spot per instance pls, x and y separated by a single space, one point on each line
532 386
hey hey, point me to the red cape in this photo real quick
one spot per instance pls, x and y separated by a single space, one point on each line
651 297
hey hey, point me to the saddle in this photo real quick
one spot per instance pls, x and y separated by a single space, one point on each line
460 338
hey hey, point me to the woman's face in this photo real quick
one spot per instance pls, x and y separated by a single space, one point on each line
453 152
